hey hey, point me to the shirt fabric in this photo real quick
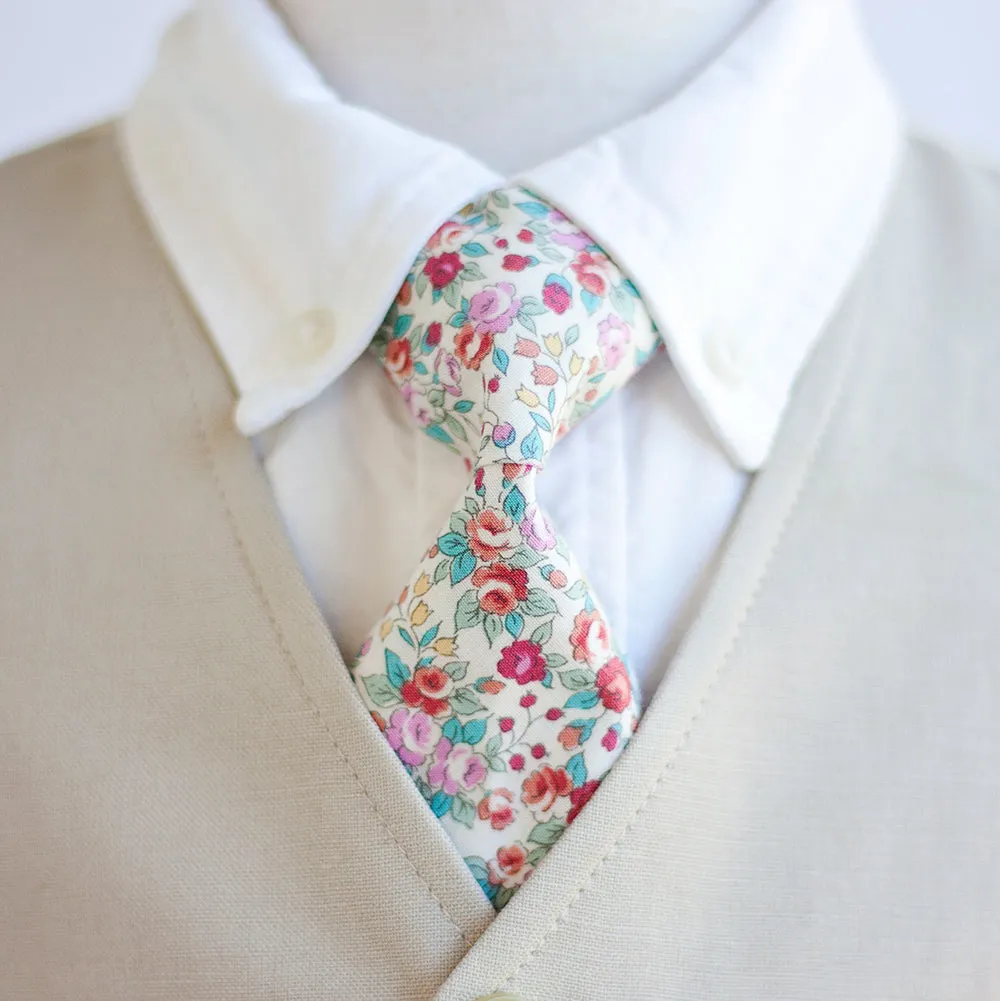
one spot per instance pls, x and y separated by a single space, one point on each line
741 207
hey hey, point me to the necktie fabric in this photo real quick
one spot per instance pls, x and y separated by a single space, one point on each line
495 676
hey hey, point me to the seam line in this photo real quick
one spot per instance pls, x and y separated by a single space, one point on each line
287 655
723 662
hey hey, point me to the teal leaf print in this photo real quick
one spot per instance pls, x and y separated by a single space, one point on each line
578 590
572 335
630 288
531 445
524 557
579 677
531 306
468 613
474 731
582 700
463 406
493 745
455 426
463 811
492 626
452 730
457 669
405 636
471 272
457 319
436 431
548 833
430 635
440 803
539 602
453 293
453 544
473 250
462 566
542 634
590 302
540 420
555 660
500 200
577 768
537 854
458 521
465 701
534 209
551 401
514 624
585 726
514 504
396 671
526 321
402 325
440 571
380 691
501 359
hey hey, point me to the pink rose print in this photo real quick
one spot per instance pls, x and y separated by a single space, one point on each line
443 270
500 587
593 271
456 766
575 240
537 531
492 309
613 686
589 638
543 787
417 405
412 735
496 807
449 372
472 345
613 337
511 867
449 236
491 534
522 662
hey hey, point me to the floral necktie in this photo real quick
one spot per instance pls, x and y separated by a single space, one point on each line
495 677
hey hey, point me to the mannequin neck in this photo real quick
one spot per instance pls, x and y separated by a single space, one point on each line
512 82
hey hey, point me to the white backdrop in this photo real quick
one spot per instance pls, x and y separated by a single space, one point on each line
65 64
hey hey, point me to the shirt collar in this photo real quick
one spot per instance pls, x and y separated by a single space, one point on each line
741 207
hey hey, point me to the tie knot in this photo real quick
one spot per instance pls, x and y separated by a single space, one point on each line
511 326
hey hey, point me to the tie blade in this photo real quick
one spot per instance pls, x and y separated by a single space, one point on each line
496 680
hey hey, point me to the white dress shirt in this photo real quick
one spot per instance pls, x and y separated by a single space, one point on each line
741 208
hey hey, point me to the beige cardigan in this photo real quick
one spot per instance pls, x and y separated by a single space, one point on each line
194 804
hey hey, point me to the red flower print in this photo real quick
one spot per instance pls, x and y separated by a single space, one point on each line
517 762
526 348
500 588
433 335
525 236
404 294
472 346
443 269
495 807
610 739
589 638
543 787
543 375
397 358
579 797
429 689
511 867
491 534
593 272
569 737
557 579
515 262
556 297
613 685
522 662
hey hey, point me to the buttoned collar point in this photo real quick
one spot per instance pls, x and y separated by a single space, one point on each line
741 207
